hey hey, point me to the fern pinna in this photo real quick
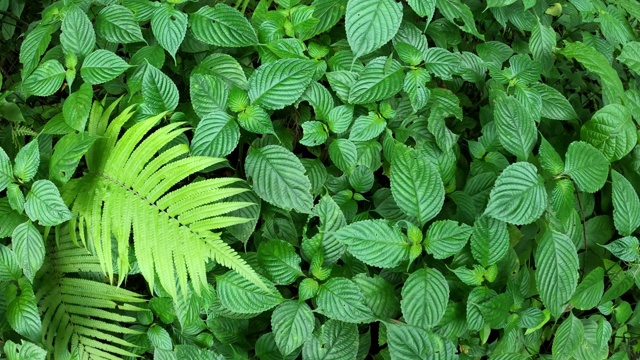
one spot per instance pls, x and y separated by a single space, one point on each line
134 188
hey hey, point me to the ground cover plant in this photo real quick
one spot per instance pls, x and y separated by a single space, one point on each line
319 179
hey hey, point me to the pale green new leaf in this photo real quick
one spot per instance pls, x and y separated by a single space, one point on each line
626 205
446 238
589 291
279 178
518 196
217 134
77 34
381 78
116 24
489 240
340 299
242 296
424 298
556 270
45 205
375 243
611 131
27 161
292 323
280 261
517 131
222 25
169 26
568 338
371 23
586 166
102 66
416 184
280 83
28 245
46 79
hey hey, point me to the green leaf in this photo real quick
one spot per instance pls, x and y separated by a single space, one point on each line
102 66
6 170
279 260
477 297
586 166
459 14
34 45
441 62
28 246
518 196
371 23
9 266
117 24
331 220
77 34
242 296
554 105
568 338
216 135
22 313
158 91
549 158
256 120
473 277
362 179
424 298
222 25
424 8
25 351
279 178
589 292
611 131
159 337
207 93
27 161
340 118
340 299
413 343
556 270
541 43
446 238
337 341
596 63
379 295
381 78
15 197
375 243
45 205
169 26
630 56
626 205
517 131
280 83
77 106
489 241
625 249
314 133
46 79
292 323
226 68
367 127
415 86
416 185
321 100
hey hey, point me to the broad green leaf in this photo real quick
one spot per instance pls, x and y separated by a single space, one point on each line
371 23
336 341
415 83
314 133
292 323
459 14
362 179
375 243
117 24
489 241
626 205
322 101
46 79
408 53
280 83
77 106
446 238
413 343
217 134
556 270
476 297
45 205
102 66
340 118
6 170
424 298
207 93
518 196
256 120
279 260
340 299
9 218
159 337
518 133
381 78
26 350
495 52
10 269
242 296
15 197
549 158
441 62
424 8
499 3
471 277
416 185
541 44
158 91
630 56
568 338
341 82
379 295
367 127
222 25
22 313
77 34
279 178
27 161
169 26
33 47
625 249
344 155
496 310
586 166
28 245
589 292
554 105
331 220
226 68
611 131
596 63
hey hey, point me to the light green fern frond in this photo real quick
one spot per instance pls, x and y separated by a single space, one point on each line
79 314
134 189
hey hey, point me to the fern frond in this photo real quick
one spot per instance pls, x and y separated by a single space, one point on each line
134 189
79 314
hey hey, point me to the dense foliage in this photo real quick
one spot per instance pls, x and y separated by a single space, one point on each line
319 179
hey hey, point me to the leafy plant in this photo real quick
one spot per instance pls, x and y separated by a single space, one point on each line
319 179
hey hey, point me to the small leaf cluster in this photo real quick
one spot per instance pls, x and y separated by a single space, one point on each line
320 179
